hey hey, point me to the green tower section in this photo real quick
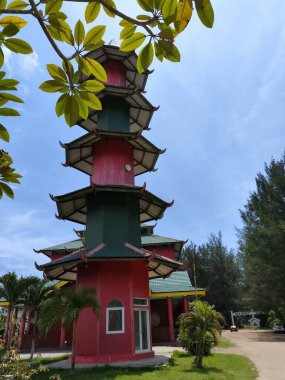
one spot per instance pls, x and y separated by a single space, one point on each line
112 218
115 115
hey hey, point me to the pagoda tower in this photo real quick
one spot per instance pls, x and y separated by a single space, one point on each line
112 153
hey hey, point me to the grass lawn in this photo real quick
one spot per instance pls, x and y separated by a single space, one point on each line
216 367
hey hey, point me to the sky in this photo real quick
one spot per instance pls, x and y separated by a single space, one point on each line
221 117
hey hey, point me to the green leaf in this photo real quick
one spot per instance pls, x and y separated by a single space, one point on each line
169 51
2 74
168 10
60 104
145 58
57 73
17 5
127 31
10 97
3 4
205 12
10 30
18 21
18 46
53 6
166 33
146 5
79 32
90 46
91 85
92 10
124 23
107 11
82 106
94 35
4 134
71 110
7 190
158 4
8 112
92 100
1 57
183 15
97 70
52 86
133 42
54 32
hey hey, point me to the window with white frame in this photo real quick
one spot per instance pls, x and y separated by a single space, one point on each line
140 302
115 321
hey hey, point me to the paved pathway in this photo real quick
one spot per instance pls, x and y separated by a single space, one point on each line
264 348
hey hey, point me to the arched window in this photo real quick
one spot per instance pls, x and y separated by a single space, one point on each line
115 321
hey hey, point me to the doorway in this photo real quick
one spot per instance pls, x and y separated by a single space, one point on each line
141 318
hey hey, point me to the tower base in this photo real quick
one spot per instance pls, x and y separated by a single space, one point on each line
84 359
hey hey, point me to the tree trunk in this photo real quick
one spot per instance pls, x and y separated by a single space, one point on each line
73 353
10 328
34 334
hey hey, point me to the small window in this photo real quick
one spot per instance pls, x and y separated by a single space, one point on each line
115 323
140 301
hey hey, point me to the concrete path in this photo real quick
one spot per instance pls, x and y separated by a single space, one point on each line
263 347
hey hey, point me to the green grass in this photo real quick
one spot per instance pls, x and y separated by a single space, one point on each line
216 367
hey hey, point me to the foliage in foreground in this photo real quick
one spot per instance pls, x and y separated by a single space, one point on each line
216 367
152 31
199 330
10 365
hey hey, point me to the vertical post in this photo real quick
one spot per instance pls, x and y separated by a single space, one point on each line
170 319
5 336
22 327
62 337
232 317
185 305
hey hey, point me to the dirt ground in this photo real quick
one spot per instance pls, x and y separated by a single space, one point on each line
263 347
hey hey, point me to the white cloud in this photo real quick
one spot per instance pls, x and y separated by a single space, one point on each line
25 65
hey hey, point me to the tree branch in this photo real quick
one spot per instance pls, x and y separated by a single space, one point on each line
16 12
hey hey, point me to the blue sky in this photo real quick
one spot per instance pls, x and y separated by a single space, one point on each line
221 117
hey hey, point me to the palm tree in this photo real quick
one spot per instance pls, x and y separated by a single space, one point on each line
195 326
34 298
12 289
66 305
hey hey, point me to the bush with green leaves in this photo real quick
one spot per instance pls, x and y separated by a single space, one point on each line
199 330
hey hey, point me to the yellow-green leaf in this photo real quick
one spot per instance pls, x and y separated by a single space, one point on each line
145 58
52 86
133 42
91 85
4 134
146 5
79 32
169 51
205 12
168 10
127 31
97 70
56 72
20 22
8 112
94 35
3 4
17 5
53 6
71 110
108 11
10 30
92 100
18 46
12 98
54 32
92 10
1 57
183 15
7 190
82 106
60 104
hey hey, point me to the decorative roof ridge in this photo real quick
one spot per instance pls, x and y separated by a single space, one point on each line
142 251
95 250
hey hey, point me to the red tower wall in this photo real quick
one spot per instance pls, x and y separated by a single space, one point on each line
109 159
116 280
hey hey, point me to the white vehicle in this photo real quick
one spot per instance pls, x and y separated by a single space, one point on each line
278 327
